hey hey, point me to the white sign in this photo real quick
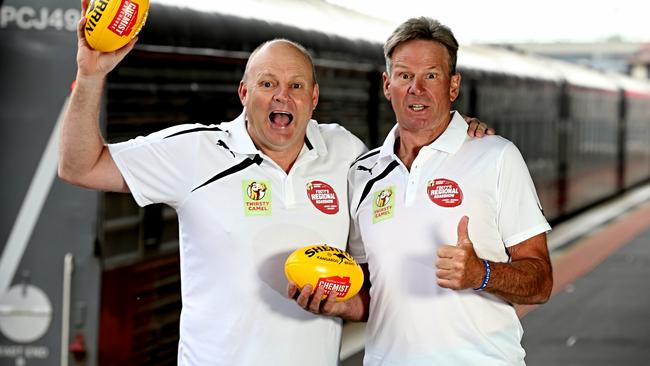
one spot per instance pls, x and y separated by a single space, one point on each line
28 18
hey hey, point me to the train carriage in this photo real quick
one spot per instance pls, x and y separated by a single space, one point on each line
634 132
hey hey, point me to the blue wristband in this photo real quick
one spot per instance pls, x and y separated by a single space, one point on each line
486 278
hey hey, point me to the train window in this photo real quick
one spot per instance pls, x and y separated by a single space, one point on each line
147 92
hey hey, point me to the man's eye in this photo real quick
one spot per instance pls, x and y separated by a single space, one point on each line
267 84
296 86
431 76
405 76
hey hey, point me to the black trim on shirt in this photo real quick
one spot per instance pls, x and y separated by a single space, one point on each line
223 145
365 156
393 164
233 169
308 143
215 128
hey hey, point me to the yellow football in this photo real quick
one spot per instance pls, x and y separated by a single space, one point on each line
323 266
111 24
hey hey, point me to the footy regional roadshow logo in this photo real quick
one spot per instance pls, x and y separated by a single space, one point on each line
383 204
444 192
323 197
257 197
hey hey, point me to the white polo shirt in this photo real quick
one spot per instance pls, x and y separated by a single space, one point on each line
400 218
240 216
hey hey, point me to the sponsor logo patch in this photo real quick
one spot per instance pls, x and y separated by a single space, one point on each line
335 283
383 204
257 197
323 197
125 18
444 192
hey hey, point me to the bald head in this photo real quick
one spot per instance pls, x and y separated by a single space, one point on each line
281 45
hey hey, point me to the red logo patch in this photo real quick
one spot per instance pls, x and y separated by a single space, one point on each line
335 283
323 197
444 192
125 18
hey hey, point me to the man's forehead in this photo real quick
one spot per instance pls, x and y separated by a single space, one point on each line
280 50
265 73
431 54
285 60
399 64
429 64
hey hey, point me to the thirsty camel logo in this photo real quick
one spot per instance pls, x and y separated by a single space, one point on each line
383 197
383 204
257 197
256 191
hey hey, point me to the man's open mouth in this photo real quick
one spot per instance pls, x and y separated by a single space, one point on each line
280 118
417 107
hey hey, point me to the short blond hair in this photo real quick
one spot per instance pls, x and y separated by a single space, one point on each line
422 28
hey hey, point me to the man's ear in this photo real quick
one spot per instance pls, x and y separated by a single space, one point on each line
454 87
314 96
243 92
386 80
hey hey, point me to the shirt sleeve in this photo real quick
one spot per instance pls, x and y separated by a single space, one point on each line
520 215
157 169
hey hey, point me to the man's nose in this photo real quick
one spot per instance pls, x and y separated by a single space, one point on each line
281 94
416 86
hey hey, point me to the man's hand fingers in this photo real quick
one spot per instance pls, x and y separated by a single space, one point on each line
314 305
444 283
462 232
445 263
478 128
122 52
292 290
446 251
328 306
481 130
80 28
445 274
303 298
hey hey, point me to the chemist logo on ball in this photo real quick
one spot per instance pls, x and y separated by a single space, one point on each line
340 285
444 192
125 18
323 197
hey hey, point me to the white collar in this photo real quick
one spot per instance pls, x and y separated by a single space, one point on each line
242 143
449 141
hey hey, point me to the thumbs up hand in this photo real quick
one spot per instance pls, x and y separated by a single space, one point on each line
458 267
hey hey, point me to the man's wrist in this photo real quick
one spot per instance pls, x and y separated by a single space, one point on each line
90 80
486 276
